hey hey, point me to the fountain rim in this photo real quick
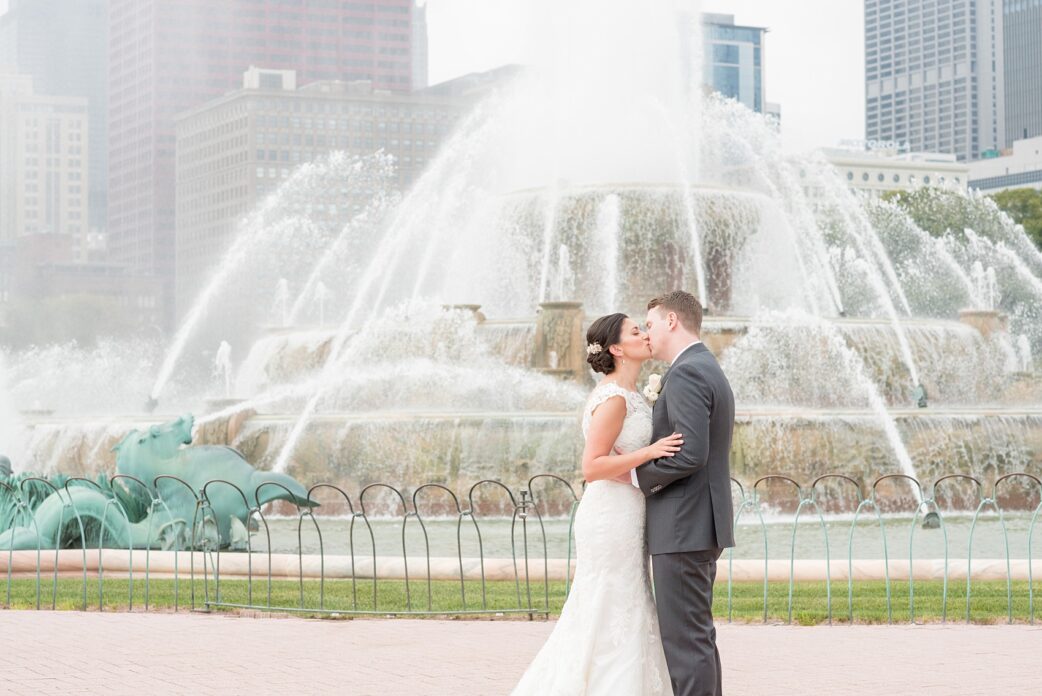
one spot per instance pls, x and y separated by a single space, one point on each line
779 413
714 320
741 414
565 188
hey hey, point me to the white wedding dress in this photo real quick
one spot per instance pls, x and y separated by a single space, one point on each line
607 639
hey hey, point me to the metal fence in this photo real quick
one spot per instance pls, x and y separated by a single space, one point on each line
265 580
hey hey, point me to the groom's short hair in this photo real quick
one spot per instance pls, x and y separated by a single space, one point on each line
684 305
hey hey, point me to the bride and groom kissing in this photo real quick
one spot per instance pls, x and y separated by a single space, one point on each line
670 499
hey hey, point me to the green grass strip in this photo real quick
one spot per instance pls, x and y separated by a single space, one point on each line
809 598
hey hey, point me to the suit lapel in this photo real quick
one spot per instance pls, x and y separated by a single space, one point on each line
661 391
687 355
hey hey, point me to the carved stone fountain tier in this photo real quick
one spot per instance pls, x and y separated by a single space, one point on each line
554 343
460 448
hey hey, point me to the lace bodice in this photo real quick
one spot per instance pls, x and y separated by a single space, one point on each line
636 429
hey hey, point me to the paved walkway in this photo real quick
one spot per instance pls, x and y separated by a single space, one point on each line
90 653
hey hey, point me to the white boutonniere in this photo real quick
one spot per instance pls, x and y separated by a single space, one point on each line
654 387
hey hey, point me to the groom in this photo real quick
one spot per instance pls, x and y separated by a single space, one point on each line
688 495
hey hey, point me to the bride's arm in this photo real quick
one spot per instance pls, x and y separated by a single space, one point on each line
599 462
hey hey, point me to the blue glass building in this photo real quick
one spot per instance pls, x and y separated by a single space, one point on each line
733 58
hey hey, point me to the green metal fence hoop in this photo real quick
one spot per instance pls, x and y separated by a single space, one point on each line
372 537
471 512
746 502
426 540
438 503
164 478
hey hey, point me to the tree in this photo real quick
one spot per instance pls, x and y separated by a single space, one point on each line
1025 207
941 212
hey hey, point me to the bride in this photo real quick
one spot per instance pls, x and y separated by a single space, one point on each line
607 639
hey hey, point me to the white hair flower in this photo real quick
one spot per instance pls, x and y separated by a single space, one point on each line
593 349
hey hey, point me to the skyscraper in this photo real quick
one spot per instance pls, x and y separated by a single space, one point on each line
732 61
1022 38
934 75
63 45
419 45
235 150
43 163
169 56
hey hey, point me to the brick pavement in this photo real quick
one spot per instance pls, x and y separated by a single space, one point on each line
87 653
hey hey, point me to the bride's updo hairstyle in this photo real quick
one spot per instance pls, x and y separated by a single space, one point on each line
602 335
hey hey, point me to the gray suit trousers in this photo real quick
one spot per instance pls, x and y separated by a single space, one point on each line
684 598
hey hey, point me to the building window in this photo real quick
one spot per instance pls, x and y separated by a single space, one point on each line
727 53
726 81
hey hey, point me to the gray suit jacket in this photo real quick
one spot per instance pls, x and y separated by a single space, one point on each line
689 494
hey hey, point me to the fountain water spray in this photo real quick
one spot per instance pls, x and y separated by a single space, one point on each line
548 234
222 364
321 295
10 423
1024 353
347 247
979 284
563 275
607 241
281 303
276 235
829 353
991 288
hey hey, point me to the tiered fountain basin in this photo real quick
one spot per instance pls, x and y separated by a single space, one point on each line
458 449
958 361
409 444
616 245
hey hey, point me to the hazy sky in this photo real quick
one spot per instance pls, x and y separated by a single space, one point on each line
814 55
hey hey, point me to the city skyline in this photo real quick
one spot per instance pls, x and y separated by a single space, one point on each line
934 77
815 113
163 62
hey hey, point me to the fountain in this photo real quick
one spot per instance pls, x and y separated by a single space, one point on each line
222 365
321 296
1024 353
589 184
147 461
282 303
10 423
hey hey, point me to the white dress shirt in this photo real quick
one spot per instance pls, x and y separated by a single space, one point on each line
633 471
